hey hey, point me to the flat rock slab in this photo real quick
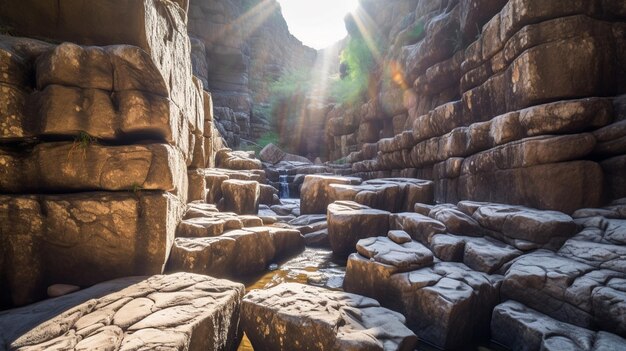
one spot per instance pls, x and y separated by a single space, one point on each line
523 329
181 311
405 257
348 222
84 238
523 227
294 316
234 253
314 195
236 160
568 290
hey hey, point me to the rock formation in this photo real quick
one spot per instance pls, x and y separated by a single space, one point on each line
480 194
504 101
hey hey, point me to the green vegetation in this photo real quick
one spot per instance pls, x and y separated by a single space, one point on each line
81 142
359 62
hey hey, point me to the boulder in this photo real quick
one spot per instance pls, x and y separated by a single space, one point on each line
293 316
241 196
314 195
175 312
236 160
273 154
348 222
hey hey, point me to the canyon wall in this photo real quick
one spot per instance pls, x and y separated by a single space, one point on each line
239 48
100 122
509 101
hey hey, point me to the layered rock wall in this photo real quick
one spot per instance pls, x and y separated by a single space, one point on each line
240 47
96 136
507 101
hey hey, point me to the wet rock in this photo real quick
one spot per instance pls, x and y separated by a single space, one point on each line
317 239
521 328
348 222
314 195
175 312
272 319
241 196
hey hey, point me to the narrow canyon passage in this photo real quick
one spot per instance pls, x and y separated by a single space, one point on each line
286 175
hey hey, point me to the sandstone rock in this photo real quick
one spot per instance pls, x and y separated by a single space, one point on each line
176 312
314 195
563 186
595 254
399 236
241 196
317 238
333 321
488 255
102 235
404 257
85 165
273 154
521 328
348 222
235 253
57 290
456 222
200 227
568 290
449 248
236 160
525 228
419 227
446 305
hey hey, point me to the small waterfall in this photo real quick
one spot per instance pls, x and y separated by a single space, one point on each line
284 186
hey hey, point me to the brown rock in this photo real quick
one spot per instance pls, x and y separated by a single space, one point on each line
333 321
314 195
348 222
241 196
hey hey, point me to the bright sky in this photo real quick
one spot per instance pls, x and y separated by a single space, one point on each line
317 23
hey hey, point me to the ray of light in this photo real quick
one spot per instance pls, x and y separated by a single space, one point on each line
250 21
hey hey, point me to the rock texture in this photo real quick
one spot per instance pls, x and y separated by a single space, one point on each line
300 317
479 103
175 312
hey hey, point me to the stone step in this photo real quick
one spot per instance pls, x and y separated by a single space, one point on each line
523 329
348 222
181 311
294 316
237 252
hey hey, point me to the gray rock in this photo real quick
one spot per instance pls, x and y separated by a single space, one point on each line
174 312
419 227
300 317
405 257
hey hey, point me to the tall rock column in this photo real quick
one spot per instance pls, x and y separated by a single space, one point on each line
95 141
